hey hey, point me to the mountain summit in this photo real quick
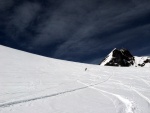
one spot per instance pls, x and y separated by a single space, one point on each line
123 57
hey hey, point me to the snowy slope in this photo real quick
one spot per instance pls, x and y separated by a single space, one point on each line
108 58
35 84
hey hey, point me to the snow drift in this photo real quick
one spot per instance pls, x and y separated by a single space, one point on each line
34 84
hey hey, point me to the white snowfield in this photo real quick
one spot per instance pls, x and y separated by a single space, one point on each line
34 84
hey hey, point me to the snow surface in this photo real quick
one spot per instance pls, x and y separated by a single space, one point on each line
140 60
34 84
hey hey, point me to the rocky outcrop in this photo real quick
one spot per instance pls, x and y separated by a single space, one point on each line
123 57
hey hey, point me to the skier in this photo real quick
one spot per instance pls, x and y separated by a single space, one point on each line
85 69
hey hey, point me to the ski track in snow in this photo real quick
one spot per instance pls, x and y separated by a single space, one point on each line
43 97
126 88
38 98
7 104
52 95
129 107
121 104
145 81
133 89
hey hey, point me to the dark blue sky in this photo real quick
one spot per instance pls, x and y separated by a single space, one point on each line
76 30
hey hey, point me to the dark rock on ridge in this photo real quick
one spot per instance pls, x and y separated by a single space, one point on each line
121 57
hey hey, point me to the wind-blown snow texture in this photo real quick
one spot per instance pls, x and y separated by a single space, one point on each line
35 84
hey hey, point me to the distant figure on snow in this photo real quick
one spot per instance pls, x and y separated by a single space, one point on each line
85 69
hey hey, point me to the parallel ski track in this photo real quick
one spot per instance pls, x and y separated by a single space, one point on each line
43 97
51 95
38 98
129 107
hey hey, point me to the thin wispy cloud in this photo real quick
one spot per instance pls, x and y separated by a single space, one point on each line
5 4
21 18
80 30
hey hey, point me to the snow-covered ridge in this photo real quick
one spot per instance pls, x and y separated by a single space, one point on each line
122 57
34 84
142 61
